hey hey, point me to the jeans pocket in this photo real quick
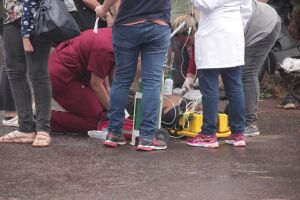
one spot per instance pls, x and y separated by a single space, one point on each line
125 36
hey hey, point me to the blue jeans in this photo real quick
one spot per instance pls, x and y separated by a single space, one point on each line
151 41
209 87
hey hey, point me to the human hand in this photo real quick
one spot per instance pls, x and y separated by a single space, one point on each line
100 12
27 45
188 83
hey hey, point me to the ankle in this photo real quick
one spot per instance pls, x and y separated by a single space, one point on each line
43 133
10 114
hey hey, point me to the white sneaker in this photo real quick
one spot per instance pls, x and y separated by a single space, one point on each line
11 122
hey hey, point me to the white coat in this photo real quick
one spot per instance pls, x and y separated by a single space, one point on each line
219 40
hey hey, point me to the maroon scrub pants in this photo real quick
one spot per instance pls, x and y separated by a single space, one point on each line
83 110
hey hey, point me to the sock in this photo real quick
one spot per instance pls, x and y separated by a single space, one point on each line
8 118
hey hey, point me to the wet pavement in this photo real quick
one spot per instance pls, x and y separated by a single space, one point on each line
77 167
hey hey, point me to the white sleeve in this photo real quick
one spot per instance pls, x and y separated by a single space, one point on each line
246 11
206 5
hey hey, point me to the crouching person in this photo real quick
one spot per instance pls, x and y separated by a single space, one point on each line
78 69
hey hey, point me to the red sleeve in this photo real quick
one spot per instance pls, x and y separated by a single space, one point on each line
192 64
101 62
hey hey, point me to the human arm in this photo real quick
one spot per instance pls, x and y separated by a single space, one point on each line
97 84
102 10
27 45
94 5
100 64
116 6
27 23
191 71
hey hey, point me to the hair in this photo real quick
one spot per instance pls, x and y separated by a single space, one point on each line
191 23
294 26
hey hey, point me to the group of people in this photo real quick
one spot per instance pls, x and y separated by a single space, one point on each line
90 76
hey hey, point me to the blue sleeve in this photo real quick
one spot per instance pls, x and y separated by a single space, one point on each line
27 21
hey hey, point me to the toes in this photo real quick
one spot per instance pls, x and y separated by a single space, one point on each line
17 137
41 140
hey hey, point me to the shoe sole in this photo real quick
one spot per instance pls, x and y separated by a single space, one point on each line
113 144
289 106
212 145
149 148
9 124
251 134
236 144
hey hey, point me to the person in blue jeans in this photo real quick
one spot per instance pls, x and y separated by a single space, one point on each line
141 28
219 50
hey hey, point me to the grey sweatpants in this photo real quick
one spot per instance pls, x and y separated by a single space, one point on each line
255 56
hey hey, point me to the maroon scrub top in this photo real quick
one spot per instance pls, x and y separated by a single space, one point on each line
89 52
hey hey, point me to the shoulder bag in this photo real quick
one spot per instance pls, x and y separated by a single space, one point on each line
54 22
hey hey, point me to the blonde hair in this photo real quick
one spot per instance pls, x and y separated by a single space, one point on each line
191 21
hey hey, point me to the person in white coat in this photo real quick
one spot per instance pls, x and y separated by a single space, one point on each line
261 32
219 50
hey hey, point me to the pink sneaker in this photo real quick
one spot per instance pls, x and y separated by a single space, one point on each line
149 145
202 140
236 140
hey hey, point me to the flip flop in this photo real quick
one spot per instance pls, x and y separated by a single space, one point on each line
17 137
42 139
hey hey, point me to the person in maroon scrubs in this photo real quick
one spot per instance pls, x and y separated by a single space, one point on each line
78 71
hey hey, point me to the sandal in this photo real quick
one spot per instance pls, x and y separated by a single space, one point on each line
17 137
42 139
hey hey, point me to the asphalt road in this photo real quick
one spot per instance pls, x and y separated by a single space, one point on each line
77 167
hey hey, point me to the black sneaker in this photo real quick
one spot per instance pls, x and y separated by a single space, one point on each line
113 140
149 145
288 102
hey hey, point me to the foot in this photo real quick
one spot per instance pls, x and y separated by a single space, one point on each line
114 140
251 130
236 140
288 102
42 139
10 121
149 145
17 137
202 140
